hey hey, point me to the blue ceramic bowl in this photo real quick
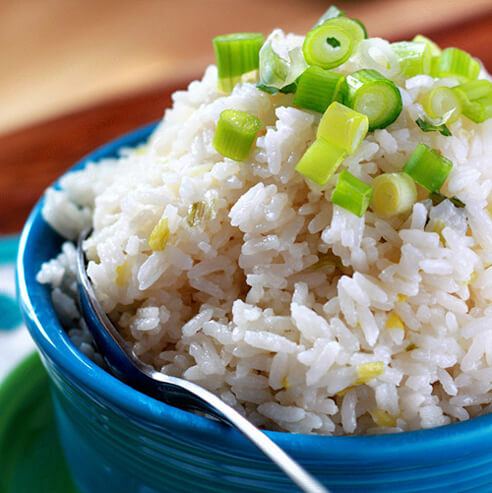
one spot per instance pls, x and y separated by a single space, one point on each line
117 440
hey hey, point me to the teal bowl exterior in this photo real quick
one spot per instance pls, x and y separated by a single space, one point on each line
117 440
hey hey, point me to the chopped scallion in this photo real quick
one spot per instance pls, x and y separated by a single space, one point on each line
352 194
394 193
236 54
320 162
477 89
377 54
279 70
235 133
343 127
291 88
414 57
426 124
317 89
458 64
435 50
331 13
476 99
328 45
435 66
437 198
477 111
442 101
428 168
369 93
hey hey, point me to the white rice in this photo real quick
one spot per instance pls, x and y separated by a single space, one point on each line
240 304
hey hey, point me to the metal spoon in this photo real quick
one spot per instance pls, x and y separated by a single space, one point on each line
172 390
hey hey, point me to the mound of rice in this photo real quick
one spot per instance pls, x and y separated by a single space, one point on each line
299 314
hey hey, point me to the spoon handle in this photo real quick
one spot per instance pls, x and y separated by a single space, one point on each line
218 408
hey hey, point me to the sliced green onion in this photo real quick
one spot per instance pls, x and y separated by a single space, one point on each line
371 94
394 193
291 88
328 45
332 13
477 111
236 54
476 99
235 133
437 198
427 124
477 89
354 26
343 127
414 57
458 64
435 66
320 162
435 50
442 101
317 89
352 194
377 54
428 168
280 69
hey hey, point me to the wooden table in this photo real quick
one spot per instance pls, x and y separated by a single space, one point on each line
31 158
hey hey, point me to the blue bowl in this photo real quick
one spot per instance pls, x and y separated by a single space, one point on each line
116 439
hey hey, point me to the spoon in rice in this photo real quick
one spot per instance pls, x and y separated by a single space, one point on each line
172 390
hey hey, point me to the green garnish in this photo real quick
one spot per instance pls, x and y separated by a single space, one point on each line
428 168
437 198
235 133
332 13
320 162
330 44
394 193
434 48
458 64
476 99
476 89
427 125
291 88
369 93
414 57
441 102
275 70
317 89
343 127
352 194
436 60
236 54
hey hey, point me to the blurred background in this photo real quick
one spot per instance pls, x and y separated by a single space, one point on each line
61 55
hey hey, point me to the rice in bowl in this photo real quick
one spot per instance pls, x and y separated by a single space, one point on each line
299 314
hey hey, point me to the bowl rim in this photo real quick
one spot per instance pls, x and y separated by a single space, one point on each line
447 441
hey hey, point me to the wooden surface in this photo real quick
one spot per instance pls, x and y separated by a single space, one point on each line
34 156
59 55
